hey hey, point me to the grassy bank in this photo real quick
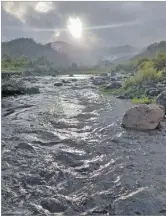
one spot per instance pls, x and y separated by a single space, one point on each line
149 73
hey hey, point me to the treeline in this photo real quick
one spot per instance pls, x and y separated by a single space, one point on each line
14 63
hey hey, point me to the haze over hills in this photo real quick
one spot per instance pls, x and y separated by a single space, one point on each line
63 54
152 49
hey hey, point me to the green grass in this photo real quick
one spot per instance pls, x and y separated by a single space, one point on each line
143 100
104 90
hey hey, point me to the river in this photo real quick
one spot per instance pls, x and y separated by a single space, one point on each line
65 153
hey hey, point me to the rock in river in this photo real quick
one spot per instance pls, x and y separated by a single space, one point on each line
161 99
58 84
143 117
114 85
13 87
98 80
53 205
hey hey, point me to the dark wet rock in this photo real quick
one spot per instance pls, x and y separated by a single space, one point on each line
152 92
33 180
29 79
7 75
161 99
58 84
143 117
98 80
160 85
53 205
112 79
122 97
38 210
7 113
65 81
114 85
119 78
71 75
104 74
13 87
25 146
73 79
32 90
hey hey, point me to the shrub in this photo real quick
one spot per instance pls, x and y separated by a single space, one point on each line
143 100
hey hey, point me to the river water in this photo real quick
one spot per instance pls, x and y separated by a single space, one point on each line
64 153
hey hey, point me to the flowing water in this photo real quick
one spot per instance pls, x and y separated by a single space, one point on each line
64 153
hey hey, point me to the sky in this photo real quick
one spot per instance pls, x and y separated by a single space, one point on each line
102 23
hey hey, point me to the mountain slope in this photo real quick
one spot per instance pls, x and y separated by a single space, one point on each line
119 54
29 48
152 49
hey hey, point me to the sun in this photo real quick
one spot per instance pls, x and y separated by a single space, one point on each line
75 27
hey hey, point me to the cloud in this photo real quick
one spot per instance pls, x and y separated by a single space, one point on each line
109 23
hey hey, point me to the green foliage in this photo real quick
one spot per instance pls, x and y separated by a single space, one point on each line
152 50
160 61
9 63
28 47
143 100
147 71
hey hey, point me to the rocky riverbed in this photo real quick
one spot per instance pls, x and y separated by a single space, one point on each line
64 153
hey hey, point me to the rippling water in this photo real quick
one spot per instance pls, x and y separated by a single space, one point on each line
64 153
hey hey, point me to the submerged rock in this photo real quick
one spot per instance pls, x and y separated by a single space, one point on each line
65 81
13 87
122 97
53 205
143 117
161 99
74 80
58 84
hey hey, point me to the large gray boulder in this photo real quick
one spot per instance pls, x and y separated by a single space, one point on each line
161 99
143 117
114 85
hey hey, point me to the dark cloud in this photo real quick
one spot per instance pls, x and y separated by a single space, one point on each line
106 23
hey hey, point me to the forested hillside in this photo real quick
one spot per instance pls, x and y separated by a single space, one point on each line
29 48
152 49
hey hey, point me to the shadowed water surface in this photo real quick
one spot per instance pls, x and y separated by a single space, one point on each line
64 153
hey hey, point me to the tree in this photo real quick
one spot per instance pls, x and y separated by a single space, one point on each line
160 61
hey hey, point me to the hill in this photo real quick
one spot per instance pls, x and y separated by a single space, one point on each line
119 54
151 50
29 48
